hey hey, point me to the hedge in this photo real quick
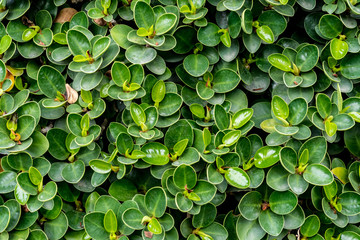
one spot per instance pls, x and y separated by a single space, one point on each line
187 119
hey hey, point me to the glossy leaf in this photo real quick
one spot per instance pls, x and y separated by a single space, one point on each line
318 174
267 156
237 177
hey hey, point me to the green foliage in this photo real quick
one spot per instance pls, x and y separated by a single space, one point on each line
187 119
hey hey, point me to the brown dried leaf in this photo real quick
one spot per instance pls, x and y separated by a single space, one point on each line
27 22
65 15
100 21
71 95
148 234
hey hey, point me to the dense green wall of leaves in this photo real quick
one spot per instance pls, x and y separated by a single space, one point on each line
187 119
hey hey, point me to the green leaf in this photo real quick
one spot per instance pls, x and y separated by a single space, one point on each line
225 39
185 177
124 143
4 218
241 117
100 46
205 217
25 183
142 32
79 19
133 218
156 153
100 166
73 172
331 190
206 137
338 48
154 226
304 157
233 5
180 147
110 221
317 148
307 57
37 234
85 122
105 3
197 110
20 161
123 189
221 117
120 73
311 226
184 204
277 178
26 126
95 13
266 34
196 64
79 44
267 156
343 121
182 129
298 109
225 80
350 203
5 43
323 105
158 91
352 141
237 177
155 201
144 15
318 174
165 23
246 229
10 178
288 159
349 66
20 195
48 193
330 128
250 205
170 104
35 176
90 81
330 26
2 70
205 191
215 231
137 114
50 81
94 225
271 222
28 34
5 141
231 138
247 21
280 108
57 148
209 35
280 61
15 213
194 197
119 33
283 203
140 54
274 20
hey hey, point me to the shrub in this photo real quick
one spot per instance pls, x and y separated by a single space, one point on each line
208 120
